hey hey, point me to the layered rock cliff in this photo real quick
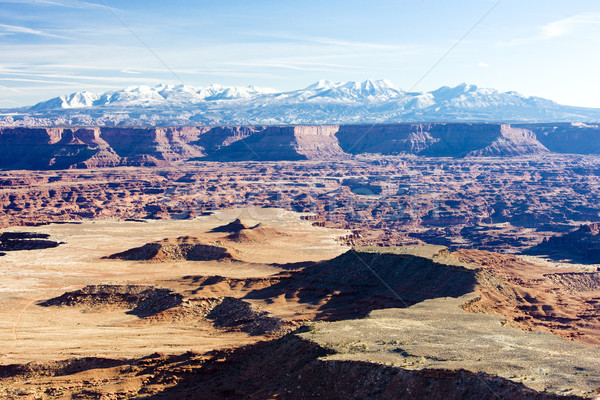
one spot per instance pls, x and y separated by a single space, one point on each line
62 148
440 140
575 138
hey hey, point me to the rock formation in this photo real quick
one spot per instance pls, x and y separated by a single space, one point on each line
143 300
182 248
13 241
63 148
580 246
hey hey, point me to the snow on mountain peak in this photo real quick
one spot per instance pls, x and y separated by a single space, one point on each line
322 102
372 90
381 86
321 84
73 100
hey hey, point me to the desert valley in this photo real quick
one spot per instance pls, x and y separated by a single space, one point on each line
442 260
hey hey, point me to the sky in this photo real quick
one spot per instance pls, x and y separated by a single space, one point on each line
546 48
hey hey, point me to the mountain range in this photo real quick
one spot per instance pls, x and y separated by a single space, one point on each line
324 102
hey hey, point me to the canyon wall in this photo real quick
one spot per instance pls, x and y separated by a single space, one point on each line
73 147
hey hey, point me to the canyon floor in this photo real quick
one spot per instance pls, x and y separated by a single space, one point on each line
281 308
371 277
496 204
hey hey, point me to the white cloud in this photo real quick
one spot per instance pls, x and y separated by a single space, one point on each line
483 64
567 25
557 29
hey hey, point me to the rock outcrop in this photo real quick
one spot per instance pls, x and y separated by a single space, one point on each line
14 241
232 227
180 249
143 300
255 234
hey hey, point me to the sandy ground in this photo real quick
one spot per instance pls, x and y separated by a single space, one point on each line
29 332
435 334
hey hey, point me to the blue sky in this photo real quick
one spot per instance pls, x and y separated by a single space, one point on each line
546 48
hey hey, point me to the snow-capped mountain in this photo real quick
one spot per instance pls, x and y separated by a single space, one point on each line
145 96
73 100
324 102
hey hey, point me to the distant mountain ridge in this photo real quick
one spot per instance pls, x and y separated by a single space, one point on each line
145 96
322 103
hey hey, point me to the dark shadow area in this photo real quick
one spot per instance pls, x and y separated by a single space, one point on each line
14 241
135 220
235 314
290 368
581 246
143 301
432 140
58 368
220 137
232 227
355 283
294 265
271 144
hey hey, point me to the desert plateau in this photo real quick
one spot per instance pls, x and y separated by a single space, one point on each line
335 275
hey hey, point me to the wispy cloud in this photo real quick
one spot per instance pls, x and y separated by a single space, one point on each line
557 29
15 29
8 89
55 78
566 26
331 41
58 3
24 78
295 65
41 81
